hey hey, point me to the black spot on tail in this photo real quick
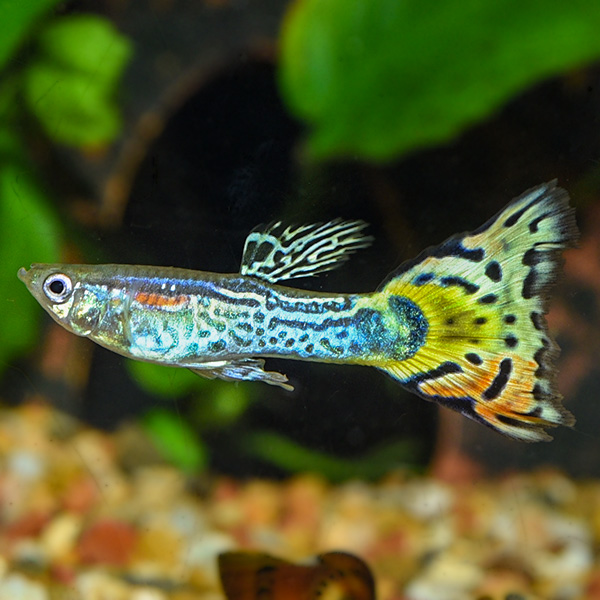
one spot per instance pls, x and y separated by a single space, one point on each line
488 299
454 247
528 285
469 287
538 320
473 358
494 271
514 218
533 226
423 278
500 381
446 368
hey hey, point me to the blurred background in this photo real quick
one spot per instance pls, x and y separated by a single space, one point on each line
162 131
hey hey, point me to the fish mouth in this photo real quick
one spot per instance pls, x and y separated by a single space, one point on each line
23 274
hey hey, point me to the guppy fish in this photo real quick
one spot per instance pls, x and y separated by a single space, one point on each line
331 576
462 324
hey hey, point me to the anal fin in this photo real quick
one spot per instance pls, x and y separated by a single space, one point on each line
243 369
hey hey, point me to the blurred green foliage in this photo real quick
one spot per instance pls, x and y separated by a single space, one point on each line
17 21
295 458
218 405
70 87
378 78
176 439
29 229
67 79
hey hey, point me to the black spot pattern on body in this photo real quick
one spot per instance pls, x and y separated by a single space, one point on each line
480 321
511 341
510 319
494 271
500 381
309 348
289 343
217 346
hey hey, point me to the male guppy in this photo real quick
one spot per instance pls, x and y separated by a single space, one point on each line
462 324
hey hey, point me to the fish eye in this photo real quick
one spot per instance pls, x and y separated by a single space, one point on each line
58 287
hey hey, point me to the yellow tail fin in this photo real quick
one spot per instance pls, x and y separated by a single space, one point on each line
487 352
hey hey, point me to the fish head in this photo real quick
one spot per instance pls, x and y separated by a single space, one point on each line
67 294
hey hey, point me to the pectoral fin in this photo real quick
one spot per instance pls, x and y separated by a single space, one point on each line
275 253
244 369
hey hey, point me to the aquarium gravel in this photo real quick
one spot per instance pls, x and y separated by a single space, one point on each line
90 515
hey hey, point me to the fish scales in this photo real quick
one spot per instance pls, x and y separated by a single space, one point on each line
463 324
183 317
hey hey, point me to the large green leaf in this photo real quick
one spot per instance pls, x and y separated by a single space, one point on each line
72 83
376 78
18 16
30 232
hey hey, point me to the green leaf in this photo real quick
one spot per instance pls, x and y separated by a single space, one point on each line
18 16
377 78
295 458
223 405
165 382
30 232
88 44
71 86
70 107
176 440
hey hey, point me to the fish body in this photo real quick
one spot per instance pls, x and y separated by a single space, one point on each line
187 318
462 324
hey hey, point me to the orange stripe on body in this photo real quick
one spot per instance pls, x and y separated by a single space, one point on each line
160 300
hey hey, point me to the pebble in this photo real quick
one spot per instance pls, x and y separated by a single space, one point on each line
81 520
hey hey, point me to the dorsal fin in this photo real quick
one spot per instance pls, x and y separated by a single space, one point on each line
274 253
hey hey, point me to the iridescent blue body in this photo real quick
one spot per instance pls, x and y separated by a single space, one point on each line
188 318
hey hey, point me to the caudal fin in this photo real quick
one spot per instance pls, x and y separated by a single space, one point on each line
487 352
